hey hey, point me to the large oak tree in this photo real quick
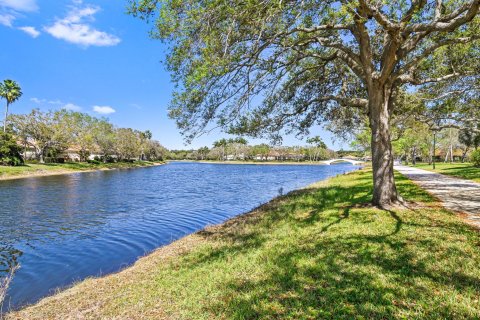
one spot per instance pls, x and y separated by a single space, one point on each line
266 67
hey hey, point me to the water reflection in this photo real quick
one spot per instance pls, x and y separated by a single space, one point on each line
64 228
8 259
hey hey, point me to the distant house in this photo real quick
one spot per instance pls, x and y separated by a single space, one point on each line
231 157
71 154
279 156
444 155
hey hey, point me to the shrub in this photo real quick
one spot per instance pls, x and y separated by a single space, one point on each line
9 151
93 161
109 159
54 160
475 158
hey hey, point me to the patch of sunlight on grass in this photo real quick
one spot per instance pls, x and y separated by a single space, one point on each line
321 252
460 170
31 169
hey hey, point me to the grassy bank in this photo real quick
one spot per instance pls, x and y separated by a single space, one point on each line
29 170
316 253
461 170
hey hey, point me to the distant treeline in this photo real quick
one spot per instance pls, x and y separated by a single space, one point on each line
56 136
239 149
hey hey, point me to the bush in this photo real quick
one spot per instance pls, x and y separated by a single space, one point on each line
54 160
475 158
93 161
9 151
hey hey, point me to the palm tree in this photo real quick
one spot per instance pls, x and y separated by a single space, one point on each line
10 91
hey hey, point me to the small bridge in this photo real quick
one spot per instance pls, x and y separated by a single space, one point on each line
354 162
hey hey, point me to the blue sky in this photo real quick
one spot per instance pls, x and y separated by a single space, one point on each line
92 57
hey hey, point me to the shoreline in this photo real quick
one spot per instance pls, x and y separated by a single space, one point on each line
205 274
176 247
265 163
65 171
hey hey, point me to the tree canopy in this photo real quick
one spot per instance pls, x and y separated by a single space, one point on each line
11 92
264 68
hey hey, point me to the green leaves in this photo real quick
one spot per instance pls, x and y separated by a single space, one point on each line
10 91
263 68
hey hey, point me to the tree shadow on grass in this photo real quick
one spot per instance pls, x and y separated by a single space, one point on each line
346 261
465 172
347 275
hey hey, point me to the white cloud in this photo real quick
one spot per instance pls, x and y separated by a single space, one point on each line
72 107
6 19
30 31
103 109
58 102
37 100
11 9
76 28
19 5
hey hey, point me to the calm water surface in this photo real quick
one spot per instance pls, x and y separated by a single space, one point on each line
65 228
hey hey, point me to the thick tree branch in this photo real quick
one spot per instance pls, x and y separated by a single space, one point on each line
378 15
414 7
363 39
324 27
353 59
428 51
415 81
454 20
350 102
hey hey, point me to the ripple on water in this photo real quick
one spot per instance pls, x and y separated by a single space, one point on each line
74 226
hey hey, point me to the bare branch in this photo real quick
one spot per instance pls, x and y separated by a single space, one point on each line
351 102
438 9
347 54
323 28
414 7
412 80
456 19
445 42
378 15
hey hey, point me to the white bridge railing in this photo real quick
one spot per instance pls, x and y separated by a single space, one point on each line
354 162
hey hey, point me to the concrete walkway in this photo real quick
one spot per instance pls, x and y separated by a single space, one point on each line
457 194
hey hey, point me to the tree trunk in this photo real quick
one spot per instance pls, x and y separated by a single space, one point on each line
384 189
464 155
5 120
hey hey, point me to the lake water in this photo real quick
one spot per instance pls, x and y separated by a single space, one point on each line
65 228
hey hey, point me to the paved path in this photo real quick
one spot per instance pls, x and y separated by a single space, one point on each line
456 194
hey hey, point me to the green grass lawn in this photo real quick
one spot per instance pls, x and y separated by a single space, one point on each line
32 169
461 170
317 253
